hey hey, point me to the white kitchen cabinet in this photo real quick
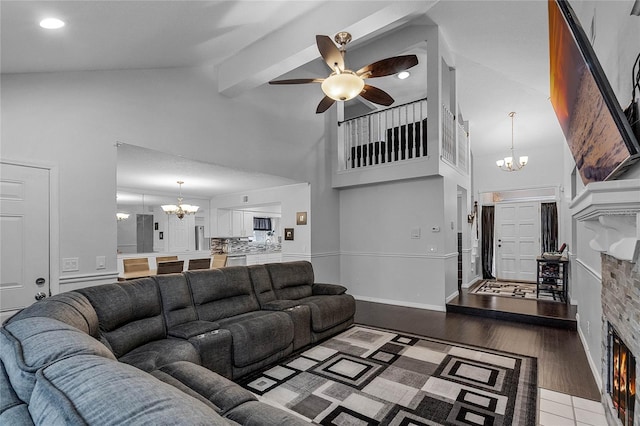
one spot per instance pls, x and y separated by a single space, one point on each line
234 223
225 224
247 224
262 258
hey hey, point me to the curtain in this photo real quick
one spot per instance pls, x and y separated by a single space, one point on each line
549 227
488 214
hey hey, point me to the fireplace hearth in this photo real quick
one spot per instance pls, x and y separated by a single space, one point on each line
621 384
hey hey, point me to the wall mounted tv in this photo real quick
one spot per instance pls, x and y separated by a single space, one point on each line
597 131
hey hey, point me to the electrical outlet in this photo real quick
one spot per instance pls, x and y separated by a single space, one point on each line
70 264
415 233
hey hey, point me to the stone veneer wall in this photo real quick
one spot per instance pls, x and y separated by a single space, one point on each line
621 308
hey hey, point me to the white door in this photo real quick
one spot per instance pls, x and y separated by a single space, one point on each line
517 240
24 226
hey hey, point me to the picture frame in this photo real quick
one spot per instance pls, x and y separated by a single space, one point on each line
301 218
288 234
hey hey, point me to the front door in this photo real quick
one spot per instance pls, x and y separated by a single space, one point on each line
24 226
517 239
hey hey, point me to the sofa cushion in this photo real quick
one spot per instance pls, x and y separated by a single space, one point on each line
153 355
129 313
254 413
93 390
329 311
261 282
258 335
224 394
291 280
71 308
32 343
13 411
222 293
177 304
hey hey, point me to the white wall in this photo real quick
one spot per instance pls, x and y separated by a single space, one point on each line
380 260
71 120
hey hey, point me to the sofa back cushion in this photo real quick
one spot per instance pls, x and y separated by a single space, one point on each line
71 308
92 390
261 283
222 293
291 280
29 344
129 313
177 304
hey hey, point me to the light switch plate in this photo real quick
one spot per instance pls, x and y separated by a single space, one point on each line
101 262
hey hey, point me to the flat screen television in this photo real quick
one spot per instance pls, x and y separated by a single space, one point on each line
594 125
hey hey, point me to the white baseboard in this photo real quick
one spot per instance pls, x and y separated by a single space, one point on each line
595 370
401 303
452 296
475 280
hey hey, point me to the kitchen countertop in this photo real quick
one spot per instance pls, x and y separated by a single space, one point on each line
252 252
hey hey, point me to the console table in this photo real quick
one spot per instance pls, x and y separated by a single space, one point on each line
551 277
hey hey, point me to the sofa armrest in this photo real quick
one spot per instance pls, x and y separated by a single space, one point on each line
319 289
279 305
192 328
214 348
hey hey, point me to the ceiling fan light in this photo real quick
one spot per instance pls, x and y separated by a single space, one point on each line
403 74
343 86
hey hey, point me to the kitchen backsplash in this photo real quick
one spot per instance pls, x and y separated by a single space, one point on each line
242 245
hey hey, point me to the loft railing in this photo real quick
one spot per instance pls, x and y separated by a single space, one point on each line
455 141
391 135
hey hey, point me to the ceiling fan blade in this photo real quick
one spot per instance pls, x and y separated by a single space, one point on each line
324 104
388 66
298 81
330 53
375 95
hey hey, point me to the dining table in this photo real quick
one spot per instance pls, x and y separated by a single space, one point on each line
125 276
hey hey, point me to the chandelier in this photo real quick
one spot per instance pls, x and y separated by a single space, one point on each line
181 209
507 163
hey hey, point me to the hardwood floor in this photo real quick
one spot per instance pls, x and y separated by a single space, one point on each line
562 363
529 311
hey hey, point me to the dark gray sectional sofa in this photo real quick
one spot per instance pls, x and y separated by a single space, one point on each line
165 349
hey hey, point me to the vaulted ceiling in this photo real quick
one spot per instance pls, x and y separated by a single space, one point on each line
500 48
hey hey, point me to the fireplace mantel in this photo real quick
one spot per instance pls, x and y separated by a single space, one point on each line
612 210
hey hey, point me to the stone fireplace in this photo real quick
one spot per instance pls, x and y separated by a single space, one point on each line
621 342
612 210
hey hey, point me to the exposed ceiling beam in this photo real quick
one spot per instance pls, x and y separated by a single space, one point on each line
251 67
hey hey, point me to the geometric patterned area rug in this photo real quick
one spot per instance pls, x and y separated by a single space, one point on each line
514 289
367 376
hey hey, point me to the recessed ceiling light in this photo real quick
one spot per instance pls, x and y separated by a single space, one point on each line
51 23
404 74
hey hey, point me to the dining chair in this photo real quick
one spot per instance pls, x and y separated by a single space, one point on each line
199 264
136 264
165 259
219 261
170 267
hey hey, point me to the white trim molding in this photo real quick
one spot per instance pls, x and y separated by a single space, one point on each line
401 303
612 210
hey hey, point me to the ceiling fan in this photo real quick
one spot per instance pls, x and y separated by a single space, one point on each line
344 84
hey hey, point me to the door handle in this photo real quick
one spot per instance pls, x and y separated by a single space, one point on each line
40 295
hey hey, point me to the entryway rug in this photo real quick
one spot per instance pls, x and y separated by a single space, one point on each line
367 376
514 290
